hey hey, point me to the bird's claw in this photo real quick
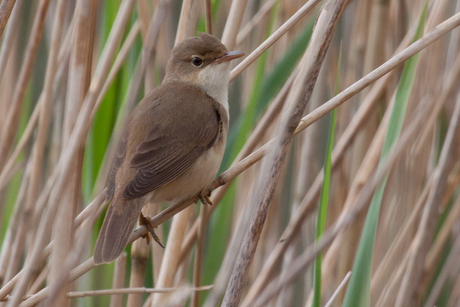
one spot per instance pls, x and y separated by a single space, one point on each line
143 220
204 197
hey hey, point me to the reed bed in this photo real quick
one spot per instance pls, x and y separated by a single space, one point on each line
340 182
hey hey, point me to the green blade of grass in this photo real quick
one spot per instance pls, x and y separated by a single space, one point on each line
358 291
322 211
324 199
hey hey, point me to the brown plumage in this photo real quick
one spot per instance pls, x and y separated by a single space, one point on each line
174 141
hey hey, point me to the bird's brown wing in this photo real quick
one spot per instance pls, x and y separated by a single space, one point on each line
174 142
118 159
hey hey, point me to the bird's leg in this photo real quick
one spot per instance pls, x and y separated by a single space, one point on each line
143 220
204 196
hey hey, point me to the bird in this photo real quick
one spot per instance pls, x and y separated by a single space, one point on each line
173 144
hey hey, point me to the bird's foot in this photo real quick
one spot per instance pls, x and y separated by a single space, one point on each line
204 197
143 220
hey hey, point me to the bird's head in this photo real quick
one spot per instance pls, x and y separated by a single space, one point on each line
202 61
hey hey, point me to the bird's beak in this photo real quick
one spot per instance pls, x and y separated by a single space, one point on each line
229 56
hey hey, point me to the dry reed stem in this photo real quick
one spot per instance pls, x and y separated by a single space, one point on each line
429 38
315 115
11 34
255 20
392 252
364 173
267 120
184 16
376 37
9 286
342 222
157 250
355 88
339 288
19 242
100 74
170 263
171 259
140 252
269 41
62 60
81 127
150 39
199 253
7 171
223 277
9 263
443 235
450 268
63 53
39 281
388 296
10 164
420 245
118 280
453 42
455 294
144 16
117 65
63 231
121 57
208 16
80 68
447 87
120 291
77 252
232 27
79 79
5 10
13 171
136 290
269 176
14 110
307 166
9 243
307 206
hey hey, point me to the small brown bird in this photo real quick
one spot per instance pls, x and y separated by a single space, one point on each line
174 141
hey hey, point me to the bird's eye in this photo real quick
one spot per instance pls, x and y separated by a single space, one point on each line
197 62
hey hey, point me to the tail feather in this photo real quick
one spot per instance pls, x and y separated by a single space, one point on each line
118 225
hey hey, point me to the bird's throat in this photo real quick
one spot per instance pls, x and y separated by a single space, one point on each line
213 79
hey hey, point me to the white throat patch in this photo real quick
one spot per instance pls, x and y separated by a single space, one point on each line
213 79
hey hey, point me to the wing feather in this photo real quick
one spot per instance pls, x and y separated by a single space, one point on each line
174 142
118 159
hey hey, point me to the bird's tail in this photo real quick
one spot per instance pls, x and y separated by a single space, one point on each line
118 225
